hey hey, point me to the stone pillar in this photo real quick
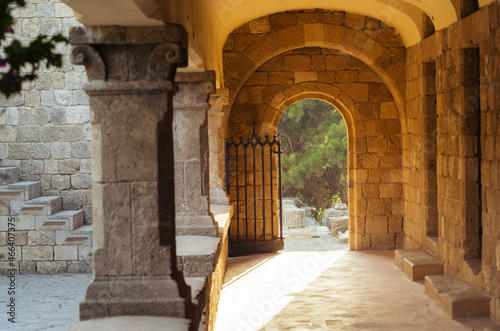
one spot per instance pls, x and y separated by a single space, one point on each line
130 72
191 153
218 101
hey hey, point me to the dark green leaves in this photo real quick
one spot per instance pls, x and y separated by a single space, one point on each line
20 63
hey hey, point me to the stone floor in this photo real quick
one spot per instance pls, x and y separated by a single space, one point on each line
316 284
43 302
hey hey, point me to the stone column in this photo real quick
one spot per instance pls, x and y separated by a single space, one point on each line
218 101
191 152
130 71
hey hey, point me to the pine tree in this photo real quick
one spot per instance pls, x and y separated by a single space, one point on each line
314 142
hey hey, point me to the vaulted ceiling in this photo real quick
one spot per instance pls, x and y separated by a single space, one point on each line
209 22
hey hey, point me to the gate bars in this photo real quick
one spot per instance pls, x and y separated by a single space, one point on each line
234 174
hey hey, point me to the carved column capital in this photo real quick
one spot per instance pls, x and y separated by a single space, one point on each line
218 100
128 54
194 89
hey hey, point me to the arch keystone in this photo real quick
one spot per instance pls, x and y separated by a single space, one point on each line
292 36
334 34
314 33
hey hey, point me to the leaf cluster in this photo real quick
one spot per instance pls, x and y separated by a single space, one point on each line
22 62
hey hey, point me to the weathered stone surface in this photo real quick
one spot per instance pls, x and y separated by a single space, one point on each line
79 267
27 267
418 264
196 255
51 267
338 224
191 153
127 164
65 253
293 217
41 238
69 167
38 253
457 298
260 25
129 323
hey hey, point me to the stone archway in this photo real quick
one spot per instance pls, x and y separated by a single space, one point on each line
374 133
384 53
347 107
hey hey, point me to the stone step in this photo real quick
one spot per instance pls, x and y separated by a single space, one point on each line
11 194
69 220
417 264
27 190
86 230
456 297
82 236
47 206
196 255
9 175
53 225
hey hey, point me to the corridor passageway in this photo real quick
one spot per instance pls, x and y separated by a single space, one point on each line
331 289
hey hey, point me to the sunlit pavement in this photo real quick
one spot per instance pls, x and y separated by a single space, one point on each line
304 289
43 302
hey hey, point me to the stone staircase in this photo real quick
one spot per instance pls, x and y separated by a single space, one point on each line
47 238
455 296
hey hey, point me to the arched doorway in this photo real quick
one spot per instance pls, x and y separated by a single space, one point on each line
374 131
314 175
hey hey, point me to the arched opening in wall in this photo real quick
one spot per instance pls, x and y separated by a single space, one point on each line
338 59
314 173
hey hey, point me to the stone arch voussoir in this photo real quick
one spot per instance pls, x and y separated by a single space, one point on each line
356 43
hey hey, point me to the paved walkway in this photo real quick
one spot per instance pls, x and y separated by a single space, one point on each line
316 284
43 302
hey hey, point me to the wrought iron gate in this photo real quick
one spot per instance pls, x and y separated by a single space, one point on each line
253 180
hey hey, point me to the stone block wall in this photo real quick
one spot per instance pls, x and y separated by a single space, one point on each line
45 251
467 147
45 130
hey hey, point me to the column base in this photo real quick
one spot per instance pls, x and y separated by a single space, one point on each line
195 226
133 296
218 197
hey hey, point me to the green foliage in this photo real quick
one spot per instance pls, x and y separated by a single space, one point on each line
22 62
336 199
321 213
314 142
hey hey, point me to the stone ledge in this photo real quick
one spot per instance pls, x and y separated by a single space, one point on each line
196 255
456 297
196 245
222 215
197 285
418 264
132 323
